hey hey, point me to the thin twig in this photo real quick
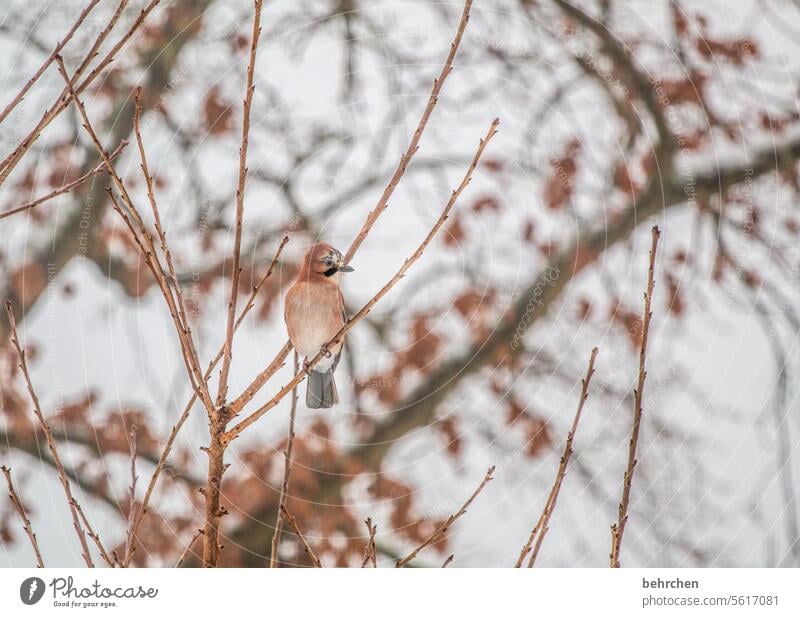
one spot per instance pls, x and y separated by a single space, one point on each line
93 535
65 98
442 529
147 246
130 544
287 470
67 187
48 61
26 522
227 355
618 529
238 428
51 442
413 146
309 551
185 552
369 552
541 528
448 561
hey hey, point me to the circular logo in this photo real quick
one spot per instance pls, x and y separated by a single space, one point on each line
31 590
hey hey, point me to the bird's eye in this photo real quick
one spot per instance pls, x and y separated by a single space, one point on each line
327 261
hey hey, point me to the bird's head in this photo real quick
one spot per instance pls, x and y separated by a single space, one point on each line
323 259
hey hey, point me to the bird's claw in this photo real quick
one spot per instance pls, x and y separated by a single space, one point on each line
325 351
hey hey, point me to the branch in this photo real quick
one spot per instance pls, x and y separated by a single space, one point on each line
93 535
20 508
236 430
227 356
306 547
287 470
541 527
67 187
196 535
147 246
18 99
383 202
236 407
51 442
369 552
618 529
130 545
442 530
65 98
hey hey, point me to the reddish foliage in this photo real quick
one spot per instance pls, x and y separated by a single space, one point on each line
559 186
217 113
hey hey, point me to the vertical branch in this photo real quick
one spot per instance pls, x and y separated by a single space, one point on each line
541 527
95 538
306 547
51 442
618 529
287 470
369 552
227 355
26 522
442 529
130 541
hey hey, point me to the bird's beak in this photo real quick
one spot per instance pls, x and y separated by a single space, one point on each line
344 268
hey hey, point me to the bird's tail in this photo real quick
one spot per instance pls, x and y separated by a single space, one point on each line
321 390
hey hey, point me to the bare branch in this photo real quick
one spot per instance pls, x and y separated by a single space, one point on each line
618 529
67 187
541 527
448 561
93 535
185 552
442 529
287 470
130 541
383 202
369 552
65 98
227 356
51 442
21 94
26 522
306 547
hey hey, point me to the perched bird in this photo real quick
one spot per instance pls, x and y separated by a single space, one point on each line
314 313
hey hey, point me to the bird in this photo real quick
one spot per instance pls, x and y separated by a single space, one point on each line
314 312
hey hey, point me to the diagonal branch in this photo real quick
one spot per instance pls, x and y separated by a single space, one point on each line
20 508
162 462
541 527
236 430
51 442
147 246
618 529
442 529
309 551
383 202
67 187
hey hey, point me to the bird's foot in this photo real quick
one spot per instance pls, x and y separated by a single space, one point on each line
305 364
325 351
